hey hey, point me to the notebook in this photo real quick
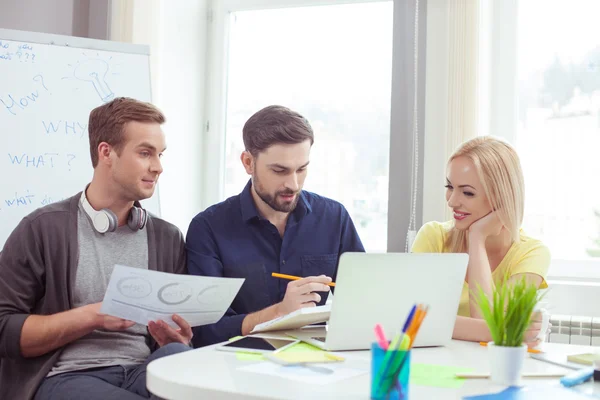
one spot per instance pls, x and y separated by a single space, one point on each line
296 319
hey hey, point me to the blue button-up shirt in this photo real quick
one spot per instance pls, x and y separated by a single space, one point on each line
231 239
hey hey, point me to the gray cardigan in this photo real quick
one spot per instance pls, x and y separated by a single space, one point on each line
37 273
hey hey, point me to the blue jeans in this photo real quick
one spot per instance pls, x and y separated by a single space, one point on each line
127 382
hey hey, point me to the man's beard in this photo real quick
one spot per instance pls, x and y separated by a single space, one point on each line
271 200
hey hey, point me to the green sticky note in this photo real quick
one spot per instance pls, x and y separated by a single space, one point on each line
443 376
241 356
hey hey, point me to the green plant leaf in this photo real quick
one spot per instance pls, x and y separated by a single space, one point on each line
508 313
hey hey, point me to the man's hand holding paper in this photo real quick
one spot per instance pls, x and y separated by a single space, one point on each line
164 334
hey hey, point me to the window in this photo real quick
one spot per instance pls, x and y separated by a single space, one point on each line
558 125
333 64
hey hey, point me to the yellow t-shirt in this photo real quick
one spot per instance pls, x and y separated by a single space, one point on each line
526 256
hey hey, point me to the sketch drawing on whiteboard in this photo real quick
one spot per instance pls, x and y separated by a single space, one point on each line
94 71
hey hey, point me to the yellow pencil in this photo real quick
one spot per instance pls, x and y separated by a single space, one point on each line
528 349
294 278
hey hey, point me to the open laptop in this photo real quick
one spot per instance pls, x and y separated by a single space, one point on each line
382 288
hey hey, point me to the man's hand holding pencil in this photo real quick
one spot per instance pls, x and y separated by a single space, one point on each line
301 293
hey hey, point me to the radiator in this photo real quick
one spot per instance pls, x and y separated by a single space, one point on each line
574 330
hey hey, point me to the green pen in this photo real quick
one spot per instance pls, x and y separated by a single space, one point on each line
393 358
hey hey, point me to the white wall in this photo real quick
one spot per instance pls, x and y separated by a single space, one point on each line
98 19
63 17
84 18
577 298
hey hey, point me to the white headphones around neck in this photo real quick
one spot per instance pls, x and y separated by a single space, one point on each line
106 221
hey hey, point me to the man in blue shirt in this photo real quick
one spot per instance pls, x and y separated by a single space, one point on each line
272 226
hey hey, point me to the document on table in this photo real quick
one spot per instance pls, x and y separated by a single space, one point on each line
143 295
316 374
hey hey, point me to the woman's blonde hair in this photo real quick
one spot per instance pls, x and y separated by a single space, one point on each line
499 170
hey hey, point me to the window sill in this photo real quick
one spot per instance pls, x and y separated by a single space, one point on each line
584 271
572 297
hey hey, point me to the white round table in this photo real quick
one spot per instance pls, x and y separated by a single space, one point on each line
207 373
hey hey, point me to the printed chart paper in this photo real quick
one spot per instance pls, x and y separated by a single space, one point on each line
143 295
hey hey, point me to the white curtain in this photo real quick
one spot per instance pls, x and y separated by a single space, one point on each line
138 22
452 87
176 31
121 20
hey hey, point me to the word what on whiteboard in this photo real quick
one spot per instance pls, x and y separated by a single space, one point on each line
27 199
45 160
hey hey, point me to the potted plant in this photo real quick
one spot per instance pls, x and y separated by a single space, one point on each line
508 315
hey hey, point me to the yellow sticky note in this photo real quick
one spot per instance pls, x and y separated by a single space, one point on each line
302 348
305 353
585 359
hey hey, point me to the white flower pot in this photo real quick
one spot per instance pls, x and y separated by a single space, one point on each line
506 364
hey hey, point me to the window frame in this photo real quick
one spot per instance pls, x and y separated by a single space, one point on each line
401 143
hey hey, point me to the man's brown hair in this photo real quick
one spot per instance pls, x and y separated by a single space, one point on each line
274 125
107 122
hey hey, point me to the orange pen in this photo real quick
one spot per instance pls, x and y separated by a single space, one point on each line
416 325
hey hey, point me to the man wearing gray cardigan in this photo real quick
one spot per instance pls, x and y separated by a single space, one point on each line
56 264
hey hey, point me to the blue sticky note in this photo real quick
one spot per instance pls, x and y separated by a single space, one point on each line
505 394
538 392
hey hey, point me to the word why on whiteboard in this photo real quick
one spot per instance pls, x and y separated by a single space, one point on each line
65 127
46 160
21 52
14 105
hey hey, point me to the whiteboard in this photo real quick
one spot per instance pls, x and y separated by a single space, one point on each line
48 86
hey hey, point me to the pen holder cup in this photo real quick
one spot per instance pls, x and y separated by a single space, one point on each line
390 372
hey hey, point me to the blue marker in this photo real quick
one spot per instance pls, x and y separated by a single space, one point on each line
409 318
577 377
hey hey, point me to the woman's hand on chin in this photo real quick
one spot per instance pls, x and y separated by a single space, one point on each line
484 227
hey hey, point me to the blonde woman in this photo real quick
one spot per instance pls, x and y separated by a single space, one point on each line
485 190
